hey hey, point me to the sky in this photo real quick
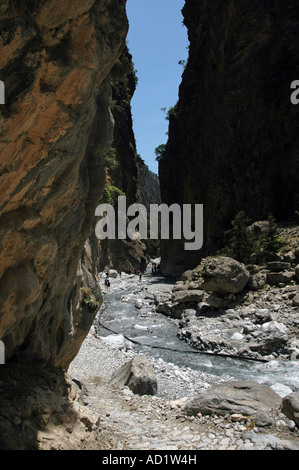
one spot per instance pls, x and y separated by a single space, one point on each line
157 40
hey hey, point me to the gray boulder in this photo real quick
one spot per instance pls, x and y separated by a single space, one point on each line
295 301
257 281
180 286
216 301
275 278
278 266
242 397
138 375
269 441
163 302
187 275
290 407
223 275
297 272
113 273
184 296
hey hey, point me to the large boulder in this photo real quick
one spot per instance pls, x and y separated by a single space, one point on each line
278 266
163 302
276 278
138 375
117 341
113 273
242 397
223 275
290 407
184 296
257 281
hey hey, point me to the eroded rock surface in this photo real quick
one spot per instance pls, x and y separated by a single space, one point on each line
55 129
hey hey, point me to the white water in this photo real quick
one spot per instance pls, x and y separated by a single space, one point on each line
157 337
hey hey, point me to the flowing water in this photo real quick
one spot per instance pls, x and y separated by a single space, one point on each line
155 335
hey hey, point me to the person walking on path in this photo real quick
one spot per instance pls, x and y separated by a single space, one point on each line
107 282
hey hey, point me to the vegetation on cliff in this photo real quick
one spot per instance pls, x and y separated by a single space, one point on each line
245 246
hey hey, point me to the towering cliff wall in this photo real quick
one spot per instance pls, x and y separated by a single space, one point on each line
55 130
122 167
233 136
127 174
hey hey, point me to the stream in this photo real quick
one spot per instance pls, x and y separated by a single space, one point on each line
128 311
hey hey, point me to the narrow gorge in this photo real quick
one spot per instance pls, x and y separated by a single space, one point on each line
67 144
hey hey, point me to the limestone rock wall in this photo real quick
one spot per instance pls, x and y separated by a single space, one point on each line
233 138
148 186
122 168
55 129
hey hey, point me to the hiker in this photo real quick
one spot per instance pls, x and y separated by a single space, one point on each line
107 282
154 267
140 276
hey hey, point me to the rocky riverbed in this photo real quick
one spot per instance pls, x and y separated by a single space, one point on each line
259 322
164 421
126 421
201 401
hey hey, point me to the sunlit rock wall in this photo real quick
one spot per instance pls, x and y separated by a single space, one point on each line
55 129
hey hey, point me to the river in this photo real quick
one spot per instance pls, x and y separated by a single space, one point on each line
128 311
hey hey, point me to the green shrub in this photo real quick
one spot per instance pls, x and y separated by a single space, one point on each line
111 158
269 243
89 300
242 245
170 113
240 240
111 194
159 151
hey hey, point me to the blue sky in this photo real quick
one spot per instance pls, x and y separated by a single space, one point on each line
157 41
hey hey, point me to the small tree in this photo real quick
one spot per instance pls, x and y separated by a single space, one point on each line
159 152
269 243
245 247
240 240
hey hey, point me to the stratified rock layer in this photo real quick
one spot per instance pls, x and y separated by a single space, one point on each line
233 138
56 127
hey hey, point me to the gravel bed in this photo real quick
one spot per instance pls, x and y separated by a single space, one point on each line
97 359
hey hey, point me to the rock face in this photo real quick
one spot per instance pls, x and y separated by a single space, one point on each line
148 185
127 173
39 405
124 168
56 127
233 140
